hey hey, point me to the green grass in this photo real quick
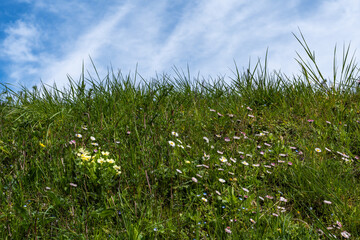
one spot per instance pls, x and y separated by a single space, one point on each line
276 185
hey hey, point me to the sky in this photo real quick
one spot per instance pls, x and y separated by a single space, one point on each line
48 40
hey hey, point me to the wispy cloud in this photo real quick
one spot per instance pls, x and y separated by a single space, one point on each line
206 35
21 39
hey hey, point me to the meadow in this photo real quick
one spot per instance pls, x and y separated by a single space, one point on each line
263 156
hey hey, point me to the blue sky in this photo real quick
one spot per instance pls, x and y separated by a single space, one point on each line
48 39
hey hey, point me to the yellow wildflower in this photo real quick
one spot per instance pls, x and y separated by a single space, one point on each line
105 153
116 167
100 160
110 161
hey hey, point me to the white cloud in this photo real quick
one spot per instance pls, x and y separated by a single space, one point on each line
90 43
208 35
20 42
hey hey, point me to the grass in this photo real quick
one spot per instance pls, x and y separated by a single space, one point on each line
266 156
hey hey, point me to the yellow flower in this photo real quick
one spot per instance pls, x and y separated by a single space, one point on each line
105 153
42 145
223 159
85 157
172 143
110 161
100 160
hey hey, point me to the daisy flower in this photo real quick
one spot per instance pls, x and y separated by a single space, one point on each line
206 139
78 135
92 138
175 134
194 180
105 153
204 199
110 161
345 234
227 230
327 202
223 159
100 160
221 180
171 143
269 197
317 149
339 224
245 163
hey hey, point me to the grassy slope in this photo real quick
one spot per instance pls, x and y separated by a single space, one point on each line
150 198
